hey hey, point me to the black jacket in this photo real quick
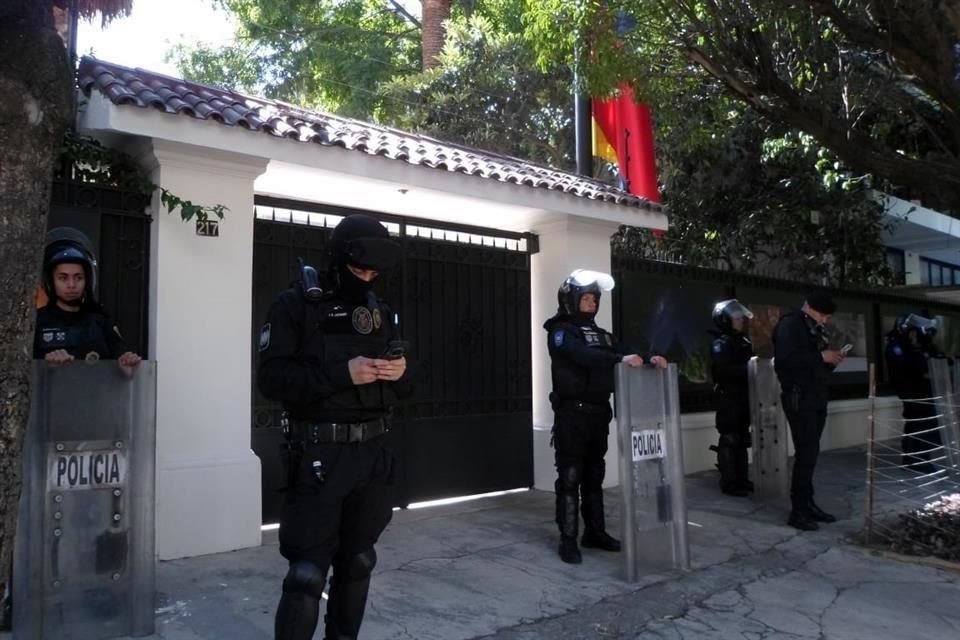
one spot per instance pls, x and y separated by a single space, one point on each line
797 343
304 351
907 364
729 355
582 358
86 334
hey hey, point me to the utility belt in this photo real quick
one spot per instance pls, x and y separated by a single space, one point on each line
582 407
342 432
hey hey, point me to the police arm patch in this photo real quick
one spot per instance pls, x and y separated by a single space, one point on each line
265 337
558 338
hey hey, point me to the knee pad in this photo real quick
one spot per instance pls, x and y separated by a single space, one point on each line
361 565
569 478
304 577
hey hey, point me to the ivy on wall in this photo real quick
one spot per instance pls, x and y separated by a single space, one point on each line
93 162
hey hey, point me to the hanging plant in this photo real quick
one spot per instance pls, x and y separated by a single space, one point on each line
91 161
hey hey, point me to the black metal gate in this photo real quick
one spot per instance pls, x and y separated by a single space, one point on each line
463 295
117 224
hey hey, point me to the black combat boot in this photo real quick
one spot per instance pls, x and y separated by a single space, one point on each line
800 516
569 552
818 514
595 534
727 464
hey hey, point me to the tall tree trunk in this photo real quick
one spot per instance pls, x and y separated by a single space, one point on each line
36 92
435 12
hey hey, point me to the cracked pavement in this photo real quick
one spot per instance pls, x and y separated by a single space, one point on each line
489 569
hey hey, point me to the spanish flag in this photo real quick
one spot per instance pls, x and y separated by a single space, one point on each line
623 134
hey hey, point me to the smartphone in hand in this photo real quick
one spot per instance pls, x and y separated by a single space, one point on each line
845 349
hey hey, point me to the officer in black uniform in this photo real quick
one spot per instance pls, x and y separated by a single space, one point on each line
582 358
803 364
909 348
729 354
73 325
332 357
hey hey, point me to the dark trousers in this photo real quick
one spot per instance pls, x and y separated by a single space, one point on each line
335 520
806 428
733 425
580 443
919 417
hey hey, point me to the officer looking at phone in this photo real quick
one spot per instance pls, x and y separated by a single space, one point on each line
803 364
332 355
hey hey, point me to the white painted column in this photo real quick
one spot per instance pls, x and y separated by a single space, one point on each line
208 479
566 244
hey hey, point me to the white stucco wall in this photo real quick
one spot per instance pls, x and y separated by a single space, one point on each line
208 479
847 426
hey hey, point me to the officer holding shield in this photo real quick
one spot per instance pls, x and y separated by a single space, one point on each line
729 355
332 356
582 359
73 325
909 348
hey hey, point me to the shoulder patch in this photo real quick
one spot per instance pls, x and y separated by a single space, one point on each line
558 338
718 346
897 351
265 337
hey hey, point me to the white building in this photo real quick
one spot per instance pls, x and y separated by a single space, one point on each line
216 147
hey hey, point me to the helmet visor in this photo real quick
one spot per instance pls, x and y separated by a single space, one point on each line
585 278
372 253
733 309
926 326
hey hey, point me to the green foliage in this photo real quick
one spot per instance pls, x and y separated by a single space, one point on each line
487 92
744 194
874 81
93 162
327 54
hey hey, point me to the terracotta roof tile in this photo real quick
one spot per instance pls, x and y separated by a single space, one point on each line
145 89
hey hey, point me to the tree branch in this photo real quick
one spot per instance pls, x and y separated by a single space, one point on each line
406 14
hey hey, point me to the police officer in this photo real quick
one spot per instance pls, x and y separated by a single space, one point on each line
803 364
729 355
73 325
582 358
909 348
331 356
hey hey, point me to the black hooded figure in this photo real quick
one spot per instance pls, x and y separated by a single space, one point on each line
582 359
330 357
909 348
729 355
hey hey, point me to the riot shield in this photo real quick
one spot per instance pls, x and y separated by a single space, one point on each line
653 499
84 565
771 439
944 401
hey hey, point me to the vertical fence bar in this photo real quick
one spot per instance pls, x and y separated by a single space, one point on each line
871 465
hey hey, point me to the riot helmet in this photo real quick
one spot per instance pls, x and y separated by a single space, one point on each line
578 284
725 311
65 245
925 327
361 242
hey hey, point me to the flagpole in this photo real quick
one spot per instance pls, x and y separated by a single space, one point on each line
583 134
582 124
